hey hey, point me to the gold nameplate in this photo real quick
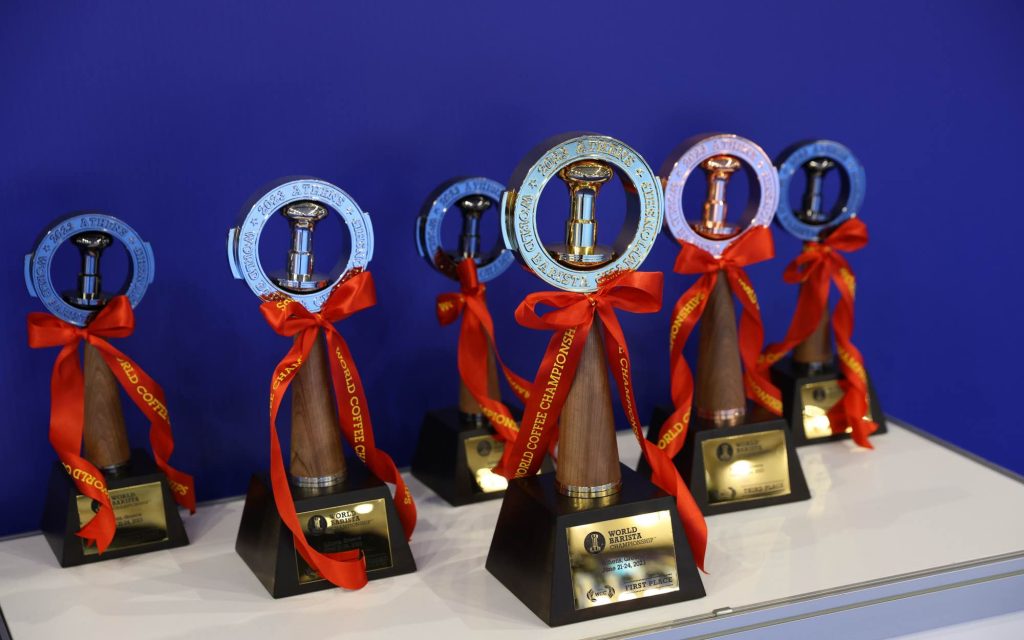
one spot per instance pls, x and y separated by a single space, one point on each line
746 467
622 559
363 525
139 512
818 399
482 454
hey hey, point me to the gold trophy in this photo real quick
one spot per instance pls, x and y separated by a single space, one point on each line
568 544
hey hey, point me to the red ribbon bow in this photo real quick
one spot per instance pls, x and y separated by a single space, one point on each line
751 247
571 320
818 264
476 337
67 407
348 568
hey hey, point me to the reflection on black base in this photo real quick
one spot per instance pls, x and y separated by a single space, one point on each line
357 513
455 460
146 514
735 468
570 560
807 398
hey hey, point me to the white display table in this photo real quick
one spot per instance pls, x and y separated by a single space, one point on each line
912 536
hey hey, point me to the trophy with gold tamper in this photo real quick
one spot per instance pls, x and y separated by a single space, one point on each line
820 394
594 538
325 521
107 501
731 459
459 446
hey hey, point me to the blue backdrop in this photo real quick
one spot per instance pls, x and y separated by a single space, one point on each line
171 115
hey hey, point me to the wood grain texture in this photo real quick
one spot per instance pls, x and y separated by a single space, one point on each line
719 384
816 349
316 437
467 403
587 452
106 442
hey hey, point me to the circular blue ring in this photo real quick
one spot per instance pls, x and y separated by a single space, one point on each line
850 199
38 263
428 228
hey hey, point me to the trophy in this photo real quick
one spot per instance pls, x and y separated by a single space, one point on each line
817 396
732 459
459 446
594 538
109 501
326 521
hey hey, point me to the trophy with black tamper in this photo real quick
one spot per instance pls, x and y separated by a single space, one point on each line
459 446
594 538
818 395
107 501
325 521
731 458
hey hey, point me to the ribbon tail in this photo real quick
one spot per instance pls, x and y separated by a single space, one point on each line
687 312
345 570
357 427
476 344
664 472
149 397
67 421
524 456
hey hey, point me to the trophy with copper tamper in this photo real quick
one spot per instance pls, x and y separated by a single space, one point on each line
594 538
107 501
327 520
731 458
819 394
459 446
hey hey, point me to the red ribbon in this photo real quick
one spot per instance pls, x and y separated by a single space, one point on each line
67 408
751 247
347 568
476 337
571 320
818 264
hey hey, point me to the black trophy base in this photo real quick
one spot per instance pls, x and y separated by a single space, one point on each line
454 458
358 513
807 398
736 468
147 516
570 560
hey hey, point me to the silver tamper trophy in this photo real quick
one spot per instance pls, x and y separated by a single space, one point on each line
458 446
140 493
340 505
566 542
810 379
731 456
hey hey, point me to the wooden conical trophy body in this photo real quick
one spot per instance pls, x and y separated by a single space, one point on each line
560 536
733 458
809 380
317 458
458 446
105 440
588 455
145 514
341 505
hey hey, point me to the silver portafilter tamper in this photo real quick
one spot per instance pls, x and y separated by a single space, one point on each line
469 240
90 292
302 216
816 170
